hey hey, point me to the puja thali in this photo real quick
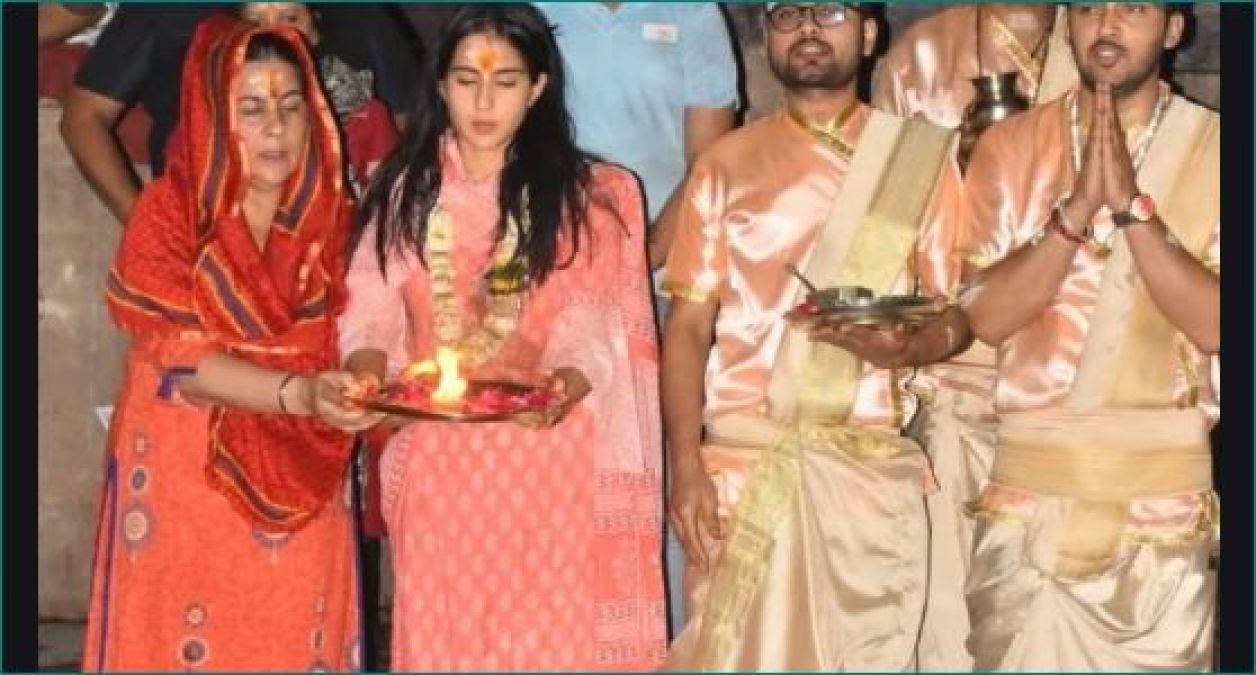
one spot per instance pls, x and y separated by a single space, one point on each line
483 401
860 307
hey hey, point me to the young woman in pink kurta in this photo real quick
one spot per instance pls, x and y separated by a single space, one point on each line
515 547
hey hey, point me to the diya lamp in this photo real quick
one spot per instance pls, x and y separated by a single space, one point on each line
438 389
451 387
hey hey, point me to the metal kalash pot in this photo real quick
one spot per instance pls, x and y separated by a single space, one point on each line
995 98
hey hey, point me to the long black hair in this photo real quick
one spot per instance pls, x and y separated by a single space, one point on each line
544 174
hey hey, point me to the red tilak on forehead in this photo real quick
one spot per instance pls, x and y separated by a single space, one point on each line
274 81
486 57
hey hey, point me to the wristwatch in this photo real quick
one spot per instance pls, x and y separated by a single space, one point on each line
1142 209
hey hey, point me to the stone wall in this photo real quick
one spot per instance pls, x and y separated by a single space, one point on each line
80 359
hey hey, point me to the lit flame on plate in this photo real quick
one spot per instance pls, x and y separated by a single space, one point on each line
451 386
421 368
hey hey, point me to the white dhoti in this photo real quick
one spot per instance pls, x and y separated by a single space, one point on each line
958 435
1095 557
825 564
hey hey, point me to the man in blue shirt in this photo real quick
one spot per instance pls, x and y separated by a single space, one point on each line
651 85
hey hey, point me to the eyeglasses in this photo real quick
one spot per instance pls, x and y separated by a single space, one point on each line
787 18
1126 11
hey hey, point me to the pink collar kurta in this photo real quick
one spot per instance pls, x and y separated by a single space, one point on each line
1010 196
759 201
518 549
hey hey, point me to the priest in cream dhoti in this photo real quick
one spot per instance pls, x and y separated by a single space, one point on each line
1102 294
801 505
928 72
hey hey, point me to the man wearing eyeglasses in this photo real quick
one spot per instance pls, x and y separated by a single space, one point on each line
800 504
1102 253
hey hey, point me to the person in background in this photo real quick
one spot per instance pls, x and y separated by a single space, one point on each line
1099 233
67 32
652 85
225 541
138 58
928 69
524 544
367 125
363 37
927 72
76 23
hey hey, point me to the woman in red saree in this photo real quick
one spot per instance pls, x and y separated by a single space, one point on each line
225 540
514 547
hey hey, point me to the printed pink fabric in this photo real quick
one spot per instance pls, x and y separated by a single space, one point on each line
519 549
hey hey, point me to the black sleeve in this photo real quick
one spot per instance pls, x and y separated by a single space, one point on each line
118 64
427 20
373 32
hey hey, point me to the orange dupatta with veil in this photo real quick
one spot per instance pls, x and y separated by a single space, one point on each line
188 267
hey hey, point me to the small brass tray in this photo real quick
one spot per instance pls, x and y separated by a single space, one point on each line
450 414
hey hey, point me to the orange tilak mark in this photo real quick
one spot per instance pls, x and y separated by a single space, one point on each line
486 58
274 82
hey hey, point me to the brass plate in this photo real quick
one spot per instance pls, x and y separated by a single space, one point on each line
392 407
885 310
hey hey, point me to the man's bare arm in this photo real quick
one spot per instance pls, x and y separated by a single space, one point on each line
692 504
87 122
687 340
58 22
1019 288
1186 292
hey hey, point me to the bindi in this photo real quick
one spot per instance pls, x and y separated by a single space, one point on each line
486 58
274 82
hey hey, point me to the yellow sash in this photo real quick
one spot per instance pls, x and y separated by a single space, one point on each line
1129 358
1102 461
1079 455
868 238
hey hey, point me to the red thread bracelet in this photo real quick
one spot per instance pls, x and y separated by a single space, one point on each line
1056 223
